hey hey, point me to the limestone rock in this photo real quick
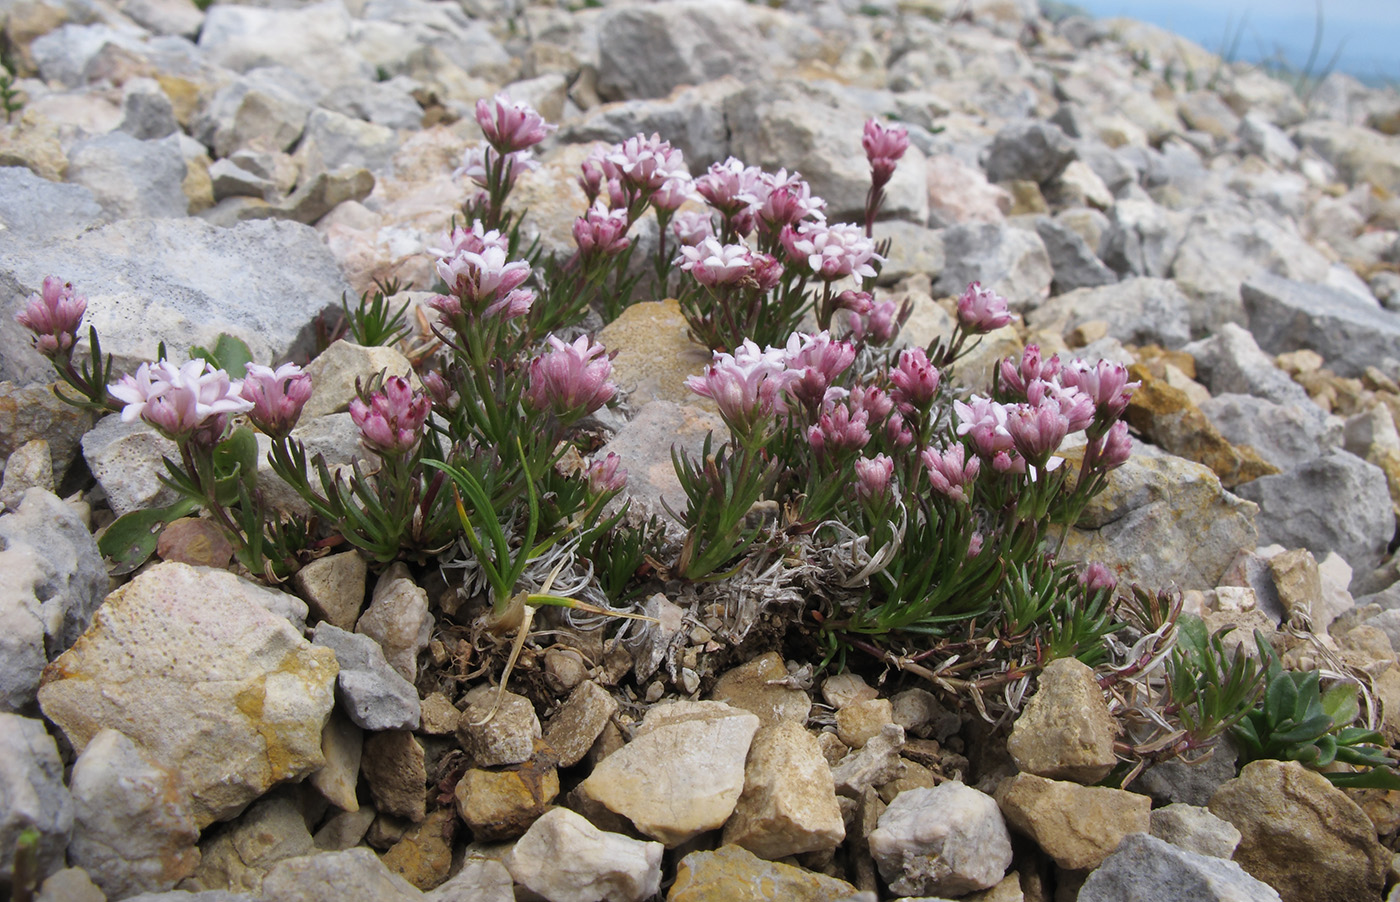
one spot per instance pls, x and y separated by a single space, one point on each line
335 371
1010 261
33 794
788 805
1078 826
334 587
1350 333
1146 869
756 687
1065 731
398 619
947 840
1137 310
372 693
579 721
730 873
1195 830
393 766
875 764
503 803
861 720
1300 834
342 744
683 772
239 857
507 737
132 827
131 178
334 877
566 859
204 679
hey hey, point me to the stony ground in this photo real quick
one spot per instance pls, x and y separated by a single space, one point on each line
187 733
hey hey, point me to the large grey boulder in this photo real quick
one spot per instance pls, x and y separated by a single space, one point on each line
1231 362
1337 502
1146 869
1285 435
178 280
1137 310
1350 333
41 209
264 110
310 40
1031 150
1010 261
131 178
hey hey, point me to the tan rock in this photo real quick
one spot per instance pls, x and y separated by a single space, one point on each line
398 619
1078 826
424 856
579 722
393 766
440 716
335 370
1299 585
732 873
506 736
342 743
239 857
860 720
333 587
655 354
755 687
34 144
789 801
842 689
1302 835
1065 731
204 679
502 804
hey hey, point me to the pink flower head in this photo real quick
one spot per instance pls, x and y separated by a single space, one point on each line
479 162
883 148
951 471
819 360
1117 447
1015 378
392 421
784 200
1105 383
1097 578
596 171
831 252
1037 430
510 127
438 390
571 379
882 325
715 265
484 283
692 226
981 309
606 476
984 422
646 164
54 315
747 386
898 435
473 240
601 232
872 399
1077 407
277 396
974 545
731 187
915 380
182 402
839 432
873 475
858 302
672 193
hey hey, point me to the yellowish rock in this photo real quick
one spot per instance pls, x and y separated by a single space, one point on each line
734 874
1077 826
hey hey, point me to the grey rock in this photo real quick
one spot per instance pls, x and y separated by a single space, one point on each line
1142 238
332 141
565 858
479 880
165 17
1115 171
1075 263
388 103
231 180
692 119
1360 154
1337 502
949 840
875 763
132 831
398 619
915 250
1260 136
125 458
32 794
579 721
66 54
1285 435
815 128
1204 111
264 110
653 49
30 466
147 113
1010 261
1032 150
1137 310
56 580
179 895
1225 244
42 210
1176 781
1231 362
1348 332
131 178
1195 829
336 876
310 40
372 693
262 282
1146 869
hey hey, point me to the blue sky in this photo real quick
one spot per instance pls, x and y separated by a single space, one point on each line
1368 31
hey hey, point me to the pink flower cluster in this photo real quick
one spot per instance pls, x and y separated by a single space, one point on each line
511 126
981 309
188 402
601 232
391 422
482 281
639 170
831 252
54 315
606 476
883 148
746 197
571 380
717 265
277 396
818 359
748 386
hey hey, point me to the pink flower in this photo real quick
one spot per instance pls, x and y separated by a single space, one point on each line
883 148
873 399
747 386
981 309
571 379
392 421
479 162
672 193
606 477
715 265
510 126
1037 430
54 315
950 471
839 432
898 435
831 252
483 283
692 226
184 402
857 302
883 322
1016 378
731 187
1097 578
438 389
1105 383
277 396
984 422
783 200
473 240
647 164
1117 447
819 360
974 545
873 475
915 380
601 232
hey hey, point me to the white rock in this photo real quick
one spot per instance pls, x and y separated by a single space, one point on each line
398 619
947 840
565 858
789 801
32 794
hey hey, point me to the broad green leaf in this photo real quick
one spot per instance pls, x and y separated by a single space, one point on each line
230 355
1340 703
131 539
